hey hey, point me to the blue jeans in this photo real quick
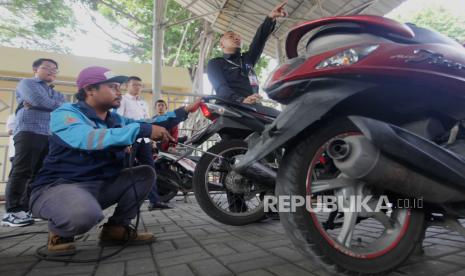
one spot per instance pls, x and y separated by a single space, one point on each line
74 208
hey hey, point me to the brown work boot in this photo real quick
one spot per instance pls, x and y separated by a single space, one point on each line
60 246
121 234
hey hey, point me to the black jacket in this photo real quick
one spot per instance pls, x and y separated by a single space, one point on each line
229 74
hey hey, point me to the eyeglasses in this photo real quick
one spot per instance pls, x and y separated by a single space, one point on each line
51 70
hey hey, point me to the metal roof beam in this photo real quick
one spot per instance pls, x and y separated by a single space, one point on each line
259 13
220 8
359 8
191 4
167 25
238 10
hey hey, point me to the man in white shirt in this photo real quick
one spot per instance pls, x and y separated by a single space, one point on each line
10 127
134 107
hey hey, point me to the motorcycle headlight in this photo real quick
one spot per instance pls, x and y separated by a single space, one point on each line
347 57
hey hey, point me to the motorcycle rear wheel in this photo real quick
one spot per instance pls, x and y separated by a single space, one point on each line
218 206
296 173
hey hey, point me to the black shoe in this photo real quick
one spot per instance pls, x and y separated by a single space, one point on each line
158 206
273 215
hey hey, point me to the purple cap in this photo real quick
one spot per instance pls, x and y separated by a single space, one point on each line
97 74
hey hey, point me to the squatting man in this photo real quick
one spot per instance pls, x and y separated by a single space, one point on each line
84 172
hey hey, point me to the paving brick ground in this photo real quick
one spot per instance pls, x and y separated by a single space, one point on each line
190 243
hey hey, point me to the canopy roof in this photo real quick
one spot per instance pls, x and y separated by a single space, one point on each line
244 16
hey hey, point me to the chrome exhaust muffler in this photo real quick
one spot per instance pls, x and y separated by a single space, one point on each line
357 158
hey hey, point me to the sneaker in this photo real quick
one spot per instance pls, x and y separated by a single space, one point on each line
273 215
60 246
158 206
123 234
17 219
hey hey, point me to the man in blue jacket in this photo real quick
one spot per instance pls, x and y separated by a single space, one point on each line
84 172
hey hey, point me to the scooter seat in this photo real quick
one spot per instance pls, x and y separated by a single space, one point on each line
267 111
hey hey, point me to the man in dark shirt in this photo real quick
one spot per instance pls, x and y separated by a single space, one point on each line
232 75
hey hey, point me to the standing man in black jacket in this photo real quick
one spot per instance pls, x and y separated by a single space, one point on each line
232 75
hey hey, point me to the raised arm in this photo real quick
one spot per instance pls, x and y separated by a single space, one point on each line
263 32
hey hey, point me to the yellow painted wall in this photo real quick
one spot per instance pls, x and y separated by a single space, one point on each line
18 62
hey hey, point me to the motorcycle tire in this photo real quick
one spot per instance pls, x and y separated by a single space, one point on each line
202 194
308 237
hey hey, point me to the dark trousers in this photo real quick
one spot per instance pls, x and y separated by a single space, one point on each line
144 156
74 208
30 151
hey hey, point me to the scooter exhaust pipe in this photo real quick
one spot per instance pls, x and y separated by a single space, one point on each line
259 173
357 158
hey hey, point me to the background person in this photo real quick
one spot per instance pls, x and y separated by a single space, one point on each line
181 115
134 107
232 75
10 127
36 98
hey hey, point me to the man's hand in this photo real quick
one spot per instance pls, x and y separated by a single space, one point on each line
128 149
252 99
161 134
279 11
172 150
27 105
193 106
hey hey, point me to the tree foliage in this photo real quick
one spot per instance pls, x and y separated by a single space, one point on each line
440 20
36 24
48 24
181 42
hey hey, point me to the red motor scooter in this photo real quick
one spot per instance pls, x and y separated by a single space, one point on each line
374 109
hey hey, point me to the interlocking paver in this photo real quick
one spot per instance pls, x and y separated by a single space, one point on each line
66 270
289 270
140 266
184 242
458 273
240 257
431 267
287 253
258 272
163 246
219 249
178 270
210 267
262 263
192 244
241 246
114 269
